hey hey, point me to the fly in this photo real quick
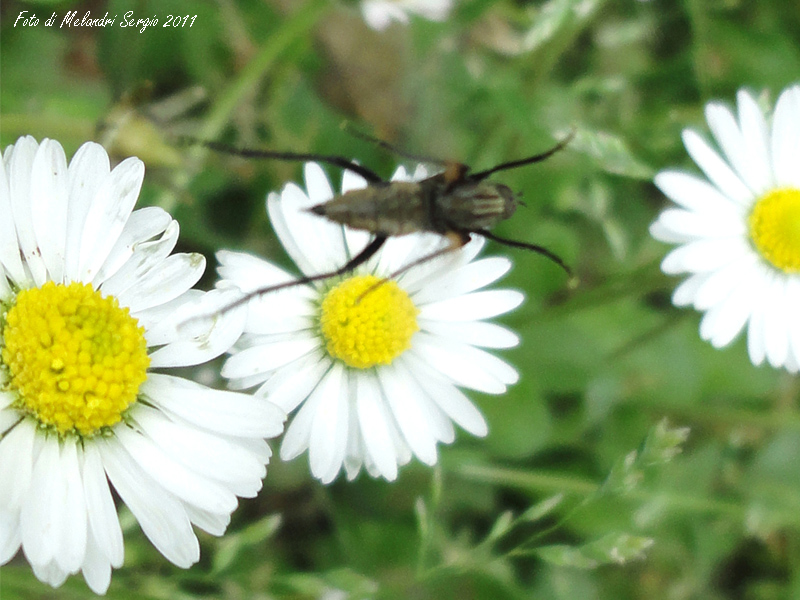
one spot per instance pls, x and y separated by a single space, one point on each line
454 203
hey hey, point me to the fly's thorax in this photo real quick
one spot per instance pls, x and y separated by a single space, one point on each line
396 208
470 206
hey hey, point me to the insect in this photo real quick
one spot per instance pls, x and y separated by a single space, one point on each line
454 203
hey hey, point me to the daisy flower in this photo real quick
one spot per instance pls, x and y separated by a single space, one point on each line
376 377
379 14
90 300
739 228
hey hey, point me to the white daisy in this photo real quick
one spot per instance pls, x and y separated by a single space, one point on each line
379 14
376 377
739 228
90 298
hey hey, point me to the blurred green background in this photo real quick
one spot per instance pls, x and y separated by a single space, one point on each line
523 513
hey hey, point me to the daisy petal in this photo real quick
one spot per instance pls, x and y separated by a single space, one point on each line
716 169
373 420
228 413
474 306
786 138
109 212
401 396
103 521
755 134
160 514
329 427
49 202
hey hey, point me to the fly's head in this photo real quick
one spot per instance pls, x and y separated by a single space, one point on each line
476 205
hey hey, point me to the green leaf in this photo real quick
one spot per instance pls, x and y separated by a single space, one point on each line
611 153
614 548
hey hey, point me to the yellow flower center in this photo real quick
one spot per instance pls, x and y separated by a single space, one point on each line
366 324
76 359
775 228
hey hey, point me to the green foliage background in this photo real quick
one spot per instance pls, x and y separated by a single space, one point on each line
601 365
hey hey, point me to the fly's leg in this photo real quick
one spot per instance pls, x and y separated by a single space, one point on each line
524 161
359 259
392 148
526 246
337 161
457 240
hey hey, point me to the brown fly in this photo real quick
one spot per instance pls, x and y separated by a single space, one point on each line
455 203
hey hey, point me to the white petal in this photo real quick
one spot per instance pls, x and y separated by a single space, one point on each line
412 420
143 225
716 169
440 425
9 245
793 325
329 428
160 514
786 138
110 210
192 347
20 172
103 520
41 511
88 171
49 205
755 135
723 322
317 184
10 539
705 255
686 292
776 317
146 255
476 333
288 387
463 280
696 194
373 421
50 573
756 336
174 477
265 358
71 538
465 365
315 244
230 413
173 276
96 568
212 523
250 273
352 181
721 283
473 306
16 465
685 225
379 14
209 455
298 433
451 400
752 169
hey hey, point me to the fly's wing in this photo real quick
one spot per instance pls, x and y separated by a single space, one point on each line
396 208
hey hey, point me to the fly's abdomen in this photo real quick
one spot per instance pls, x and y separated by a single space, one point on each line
394 209
475 206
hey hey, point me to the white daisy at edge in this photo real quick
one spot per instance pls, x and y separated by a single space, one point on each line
739 228
90 300
368 403
379 14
